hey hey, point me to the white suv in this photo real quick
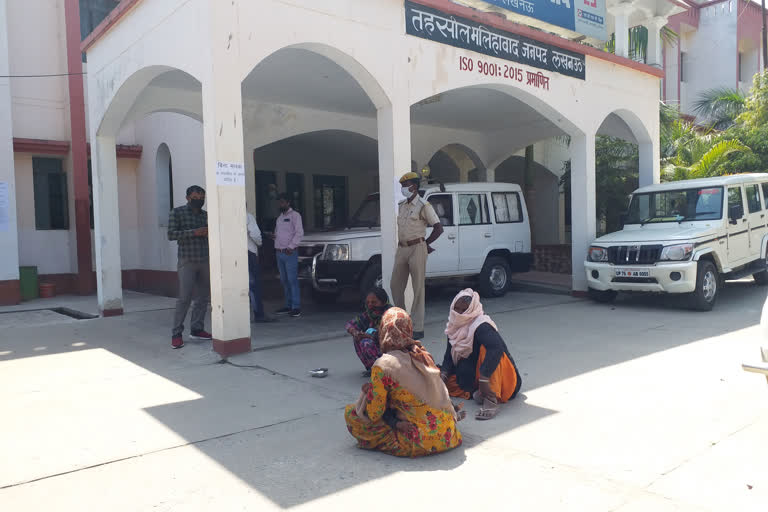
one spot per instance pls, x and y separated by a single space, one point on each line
685 237
487 234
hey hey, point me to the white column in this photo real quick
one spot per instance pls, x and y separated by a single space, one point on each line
650 163
583 223
226 205
621 28
655 52
394 126
9 240
106 220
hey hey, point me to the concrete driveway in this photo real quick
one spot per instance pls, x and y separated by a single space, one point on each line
640 406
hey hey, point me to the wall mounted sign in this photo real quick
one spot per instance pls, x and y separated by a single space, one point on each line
230 173
434 25
587 17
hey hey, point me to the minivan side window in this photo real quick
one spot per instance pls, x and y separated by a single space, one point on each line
765 194
507 207
753 198
443 205
734 200
473 209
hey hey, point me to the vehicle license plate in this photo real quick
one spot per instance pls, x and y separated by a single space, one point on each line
633 272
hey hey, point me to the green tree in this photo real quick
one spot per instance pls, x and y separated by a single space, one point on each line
721 106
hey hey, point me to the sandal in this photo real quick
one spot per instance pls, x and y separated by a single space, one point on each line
460 412
488 410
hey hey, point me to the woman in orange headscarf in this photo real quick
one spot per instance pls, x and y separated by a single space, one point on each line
477 362
405 409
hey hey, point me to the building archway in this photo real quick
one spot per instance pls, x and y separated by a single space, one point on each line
456 163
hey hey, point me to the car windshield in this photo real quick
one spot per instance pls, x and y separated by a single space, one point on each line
676 206
367 216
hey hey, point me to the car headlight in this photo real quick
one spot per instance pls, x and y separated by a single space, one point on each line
680 252
598 254
336 252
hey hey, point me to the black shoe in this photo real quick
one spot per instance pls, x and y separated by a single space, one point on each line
283 311
296 313
418 335
264 320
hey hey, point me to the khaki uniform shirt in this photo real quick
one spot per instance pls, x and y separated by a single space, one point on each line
413 219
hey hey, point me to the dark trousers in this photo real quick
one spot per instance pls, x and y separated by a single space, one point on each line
254 285
194 285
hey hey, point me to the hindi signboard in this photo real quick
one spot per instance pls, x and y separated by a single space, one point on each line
434 25
587 17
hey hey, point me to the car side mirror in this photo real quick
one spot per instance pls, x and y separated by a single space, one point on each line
735 213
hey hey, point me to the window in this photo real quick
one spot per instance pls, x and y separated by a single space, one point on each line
753 199
507 207
443 205
473 209
765 194
92 13
740 67
51 202
683 56
735 203
330 201
164 180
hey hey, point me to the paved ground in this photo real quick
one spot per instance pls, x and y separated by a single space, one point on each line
641 406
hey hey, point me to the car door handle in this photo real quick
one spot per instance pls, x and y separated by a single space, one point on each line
451 237
487 235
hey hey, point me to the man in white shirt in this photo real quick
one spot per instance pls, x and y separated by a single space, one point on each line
254 271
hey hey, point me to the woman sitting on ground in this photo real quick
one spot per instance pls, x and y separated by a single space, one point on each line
405 409
364 329
477 362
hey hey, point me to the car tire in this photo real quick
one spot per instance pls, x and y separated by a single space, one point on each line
495 278
761 278
707 287
602 296
371 279
320 297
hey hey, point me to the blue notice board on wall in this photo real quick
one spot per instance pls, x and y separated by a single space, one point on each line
587 17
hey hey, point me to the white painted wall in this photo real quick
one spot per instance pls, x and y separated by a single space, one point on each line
711 53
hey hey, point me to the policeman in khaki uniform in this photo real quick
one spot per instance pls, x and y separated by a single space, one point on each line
413 217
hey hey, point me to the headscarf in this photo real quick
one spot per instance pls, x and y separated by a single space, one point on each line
406 361
461 326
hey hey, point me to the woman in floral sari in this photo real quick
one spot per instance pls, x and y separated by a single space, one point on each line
405 409
364 328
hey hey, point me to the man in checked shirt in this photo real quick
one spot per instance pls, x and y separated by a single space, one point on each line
188 225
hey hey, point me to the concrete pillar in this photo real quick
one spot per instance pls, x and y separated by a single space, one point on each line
10 293
394 127
78 149
583 194
250 181
226 203
650 164
621 14
655 51
106 213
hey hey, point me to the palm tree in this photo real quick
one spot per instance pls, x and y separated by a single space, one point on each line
638 41
700 156
721 106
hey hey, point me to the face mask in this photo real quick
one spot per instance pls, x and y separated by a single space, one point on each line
196 203
283 209
407 191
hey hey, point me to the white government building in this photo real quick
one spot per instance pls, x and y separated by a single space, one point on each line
327 100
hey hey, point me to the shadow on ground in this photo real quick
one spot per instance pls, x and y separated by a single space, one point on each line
262 421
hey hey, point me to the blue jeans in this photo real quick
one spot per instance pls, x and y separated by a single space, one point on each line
289 276
254 285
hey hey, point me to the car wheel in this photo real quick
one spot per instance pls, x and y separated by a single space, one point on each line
707 287
602 296
495 278
761 277
371 279
325 297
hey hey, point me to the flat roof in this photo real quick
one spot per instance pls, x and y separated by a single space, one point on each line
718 181
489 19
